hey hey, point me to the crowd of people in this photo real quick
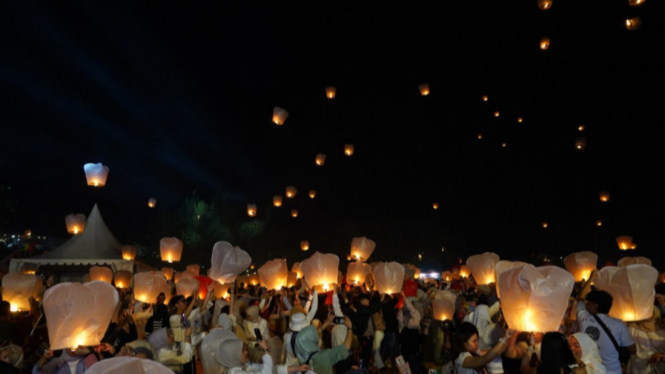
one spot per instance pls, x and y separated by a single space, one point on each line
351 329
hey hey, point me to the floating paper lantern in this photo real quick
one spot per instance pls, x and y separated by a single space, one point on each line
497 113
296 269
545 225
148 285
544 43
581 264
101 273
483 267
633 246
604 196
544 4
580 128
221 290
294 213
435 206
633 261
204 283
277 201
304 245
78 314
348 149
279 115
194 268
580 142
186 287
389 277
504 145
170 249
535 299
444 305
320 269
29 268
168 273
184 275
274 274
254 279
424 89
291 279
128 252
502 266
632 290
464 271
635 2
251 210
356 272
152 202
320 159
330 92
624 242
96 174
480 136
75 223
362 248
519 119
312 194
633 23
227 262
485 98
17 289
291 192
123 278
599 223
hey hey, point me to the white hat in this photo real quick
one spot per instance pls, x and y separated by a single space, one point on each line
298 322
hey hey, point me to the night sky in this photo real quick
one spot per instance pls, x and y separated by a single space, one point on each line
176 97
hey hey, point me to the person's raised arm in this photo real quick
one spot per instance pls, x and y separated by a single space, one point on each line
315 305
587 285
349 332
479 361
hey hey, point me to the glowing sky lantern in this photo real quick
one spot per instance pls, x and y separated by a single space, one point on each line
482 267
633 23
331 92
312 194
227 262
320 270
362 248
75 223
625 261
604 196
128 252
544 43
273 275
251 210
148 285
17 289
580 142
291 279
635 2
435 206
544 4
194 268
519 119
624 242
187 287
277 200
581 264
485 98
170 249
632 290
320 159
184 275
101 273
499 268
444 305
424 89
356 272
291 192
480 136
348 149
221 289
599 223
204 283
123 278
389 277
294 213
254 279
279 115
464 271
497 113
545 225
96 174
304 245
535 299
168 273
580 128
78 314
152 202
296 269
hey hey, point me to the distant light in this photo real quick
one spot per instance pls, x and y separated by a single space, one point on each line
519 119
480 136
581 128
504 145
485 98
496 114
544 43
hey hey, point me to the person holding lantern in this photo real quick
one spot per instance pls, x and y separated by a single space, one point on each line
556 357
650 342
466 350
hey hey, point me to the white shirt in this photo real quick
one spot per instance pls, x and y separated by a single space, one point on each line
646 343
460 360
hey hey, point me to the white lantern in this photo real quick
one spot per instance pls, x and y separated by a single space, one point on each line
75 223
187 287
320 269
101 273
362 248
320 159
148 285
291 192
580 142
356 272
115 365
292 279
581 264
544 43
348 149
625 242
251 210
184 275
273 275
152 202
221 290
304 245
464 271
633 261
128 252
96 174
17 289
604 196
312 194
500 267
279 115
170 249
424 89
483 267
194 268
632 290
123 278
277 200
168 273
227 262
389 277
535 299
78 314
444 305
296 269
330 92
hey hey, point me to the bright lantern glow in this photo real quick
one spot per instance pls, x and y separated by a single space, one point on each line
485 98
435 206
544 4
251 210
291 192
277 201
519 119
580 143
424 89
279 115
75 223
580 128
128 252
624 242
633 23
635 2
13 308
544 43
483 266
152 202
504 145
294 213
480 136
496 114
348 149
96 174
545 225
599 223
304 245
320 159
604 196
312 194
170 249
330 92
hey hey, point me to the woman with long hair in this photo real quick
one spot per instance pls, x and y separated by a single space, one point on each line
469 359
555 357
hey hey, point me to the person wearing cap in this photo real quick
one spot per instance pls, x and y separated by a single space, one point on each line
298 322
321 361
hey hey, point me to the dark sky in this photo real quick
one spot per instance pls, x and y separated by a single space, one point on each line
177 97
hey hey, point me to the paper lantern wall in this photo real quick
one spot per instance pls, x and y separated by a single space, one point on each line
535 299
170 249
581 264
296 269
128 252
277 200
625 261
187 287
424 89
312 194
544 43
251 210
273 275
152 202
227 262
348 149
444 305
320 159
544 4
123 278
17 289
632 290
356 272
75 223
604 196
389 277
320 269
78 315
304 245
279 116
194 268
168 273
625 242
502 266
482 267
362 248
101 273
96 174
291 192
148 285
330 92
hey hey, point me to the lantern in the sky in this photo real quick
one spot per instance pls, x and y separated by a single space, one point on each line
294 213
424 89
604 196
485 98
535 299
480 136
519 119
148 285
152 202
482 267
221 289
312 194
227 262
633 23
320 159
75 223
504 145
194 268
356 272
204 283
279 115
96 174
625 242
581 264
184 275
580 142
123 278
254 279
632 290
304 245
633 261
599 223
251 210
389 277
580 128
544 4
17 289
170 249
291 192
291 279
444 305
101 273
464 271
273 275
635 2
296 269
320 270
545 225
544 43
435 206
128 252
362 248
497 113
502 266
168 273
277 200
348 149
330 92
78 314
187 287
